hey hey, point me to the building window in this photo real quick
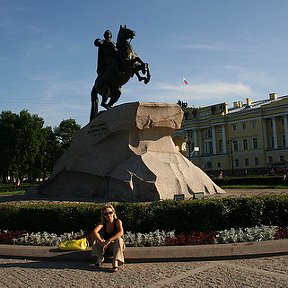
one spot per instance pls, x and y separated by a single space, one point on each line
253 123
208 165
209 147
236 162
270 159
189 134
234 127
256 161
235 145
208 134
219 165
282 159
272 142
220 145
284 140
245 144
255 143
244 126
246 162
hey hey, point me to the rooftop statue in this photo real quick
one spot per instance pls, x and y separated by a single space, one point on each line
117 63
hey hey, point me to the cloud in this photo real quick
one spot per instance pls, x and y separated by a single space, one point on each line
54 113
199 94
207 89
190 43
31 28
55 87
220 88
215 46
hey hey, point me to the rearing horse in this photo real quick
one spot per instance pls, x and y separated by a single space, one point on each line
128 64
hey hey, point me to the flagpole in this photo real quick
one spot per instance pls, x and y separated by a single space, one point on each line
184 82
183 96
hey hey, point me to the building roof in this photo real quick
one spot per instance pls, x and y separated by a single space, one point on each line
256 104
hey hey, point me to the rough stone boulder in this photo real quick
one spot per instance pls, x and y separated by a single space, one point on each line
127 154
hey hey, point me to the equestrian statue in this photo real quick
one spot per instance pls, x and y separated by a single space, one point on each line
117 63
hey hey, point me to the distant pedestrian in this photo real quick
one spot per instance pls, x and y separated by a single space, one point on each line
285 176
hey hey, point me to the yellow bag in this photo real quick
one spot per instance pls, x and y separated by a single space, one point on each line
79 244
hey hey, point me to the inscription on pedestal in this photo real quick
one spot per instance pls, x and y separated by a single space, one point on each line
98 129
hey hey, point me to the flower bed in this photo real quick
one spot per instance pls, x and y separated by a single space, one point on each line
156 238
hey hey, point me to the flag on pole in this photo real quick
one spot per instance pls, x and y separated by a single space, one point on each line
185 81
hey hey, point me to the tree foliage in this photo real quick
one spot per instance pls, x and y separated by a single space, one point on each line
65 132
27 148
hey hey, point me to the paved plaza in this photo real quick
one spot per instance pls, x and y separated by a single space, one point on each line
257 272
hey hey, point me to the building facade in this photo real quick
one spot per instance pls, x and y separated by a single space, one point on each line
248 138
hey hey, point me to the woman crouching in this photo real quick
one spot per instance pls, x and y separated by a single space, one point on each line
108 235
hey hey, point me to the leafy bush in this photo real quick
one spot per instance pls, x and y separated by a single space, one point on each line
6 237
281 233
261 233
53 218
201 238
45 239
157 238
180 216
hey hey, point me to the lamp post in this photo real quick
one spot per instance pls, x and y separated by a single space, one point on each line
188 143
196 149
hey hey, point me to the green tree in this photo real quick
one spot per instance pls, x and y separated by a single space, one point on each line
28 136
27 149
49 153
65 132
8 122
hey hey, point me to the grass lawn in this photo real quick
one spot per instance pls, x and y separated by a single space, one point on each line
10 189
254 186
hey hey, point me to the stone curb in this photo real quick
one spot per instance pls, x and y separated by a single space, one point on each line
153 254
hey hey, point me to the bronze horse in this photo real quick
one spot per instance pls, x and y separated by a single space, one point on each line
128 64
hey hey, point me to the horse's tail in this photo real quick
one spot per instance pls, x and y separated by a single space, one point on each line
94 102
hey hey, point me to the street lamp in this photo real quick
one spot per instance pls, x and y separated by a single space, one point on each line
196 149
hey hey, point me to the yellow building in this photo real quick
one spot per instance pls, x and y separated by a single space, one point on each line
248 138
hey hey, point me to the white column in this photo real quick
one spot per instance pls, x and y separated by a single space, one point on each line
214 140
224 140
274 132
265 140
200 142
195 137
285 118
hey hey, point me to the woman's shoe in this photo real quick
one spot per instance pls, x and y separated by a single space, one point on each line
98 264
114 269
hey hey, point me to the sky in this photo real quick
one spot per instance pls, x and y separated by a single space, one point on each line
227 50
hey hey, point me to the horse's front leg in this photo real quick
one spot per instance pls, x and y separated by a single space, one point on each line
143 65
146 78
148 74
140 78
